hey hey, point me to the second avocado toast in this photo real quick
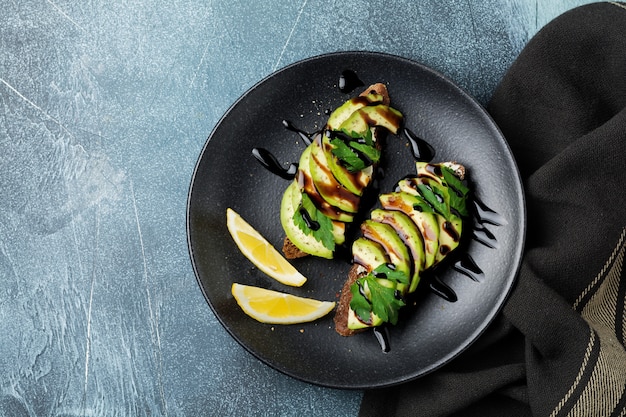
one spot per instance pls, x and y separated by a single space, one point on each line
414 230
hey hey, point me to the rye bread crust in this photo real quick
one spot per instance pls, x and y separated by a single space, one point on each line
343 306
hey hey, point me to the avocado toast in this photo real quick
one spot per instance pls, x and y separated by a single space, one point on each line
414 229
334 172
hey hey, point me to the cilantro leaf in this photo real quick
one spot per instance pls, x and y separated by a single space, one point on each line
325 233
368 138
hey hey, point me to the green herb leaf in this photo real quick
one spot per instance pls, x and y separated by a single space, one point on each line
369 151
385 304
347 156
322 234
359 303
383 300
385 271
325 232
369 138
459 191
436 195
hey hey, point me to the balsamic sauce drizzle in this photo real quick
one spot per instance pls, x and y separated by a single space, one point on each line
486 215
382 336
467 266
443 290
483 235
348 81
270 162
306 137
422 151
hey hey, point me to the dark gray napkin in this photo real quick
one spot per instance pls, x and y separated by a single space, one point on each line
557 349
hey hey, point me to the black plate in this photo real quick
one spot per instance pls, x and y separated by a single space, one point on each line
227 175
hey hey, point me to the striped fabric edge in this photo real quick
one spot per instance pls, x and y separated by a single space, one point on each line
622 5
600 385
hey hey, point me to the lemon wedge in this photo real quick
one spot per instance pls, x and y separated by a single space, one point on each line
260 252
275 307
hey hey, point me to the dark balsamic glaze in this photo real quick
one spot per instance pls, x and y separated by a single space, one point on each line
306 137
270 162
348 81
422 150
485 215
483 235
310 223
382 336
467 266
443 290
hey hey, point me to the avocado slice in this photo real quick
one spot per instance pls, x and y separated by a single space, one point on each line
343 112
305 183
369 254
355 182
449 236
428 170
426 221
407 230
378 115
326 184
386 236
289 204
355 323
436 193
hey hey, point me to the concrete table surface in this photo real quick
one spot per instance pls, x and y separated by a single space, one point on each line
105 108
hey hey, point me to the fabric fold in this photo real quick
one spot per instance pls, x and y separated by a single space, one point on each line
557 348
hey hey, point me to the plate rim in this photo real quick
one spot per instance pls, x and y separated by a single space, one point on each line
522 221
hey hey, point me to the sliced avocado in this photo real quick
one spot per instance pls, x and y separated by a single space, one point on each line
393 245
408 185
407 230
365 117
433 193
343 112
369 254
327 185
355 182
305 183
339 232
449 236
425 221
307 243
433 171
445 179
436 193
355 323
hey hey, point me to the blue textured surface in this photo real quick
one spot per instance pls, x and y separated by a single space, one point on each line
105 108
